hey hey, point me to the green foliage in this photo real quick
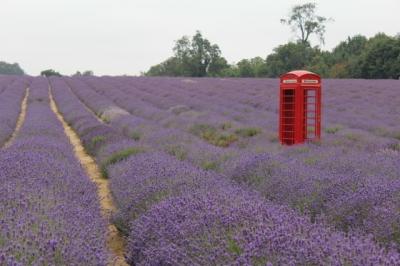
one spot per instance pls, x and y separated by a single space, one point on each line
97 139
123 154
260 261
226 125
222 140
353 137
311 160
233 247
136 135
381 59
170 67
356 57
96 142
178 151
84 73
332 130
117 157
248 132
255 67
199 129
88 73
105 119
10 69
232 71
210 165
195 57
290 56
212 135
303 19
50 72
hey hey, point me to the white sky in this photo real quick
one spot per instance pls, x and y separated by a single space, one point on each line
128 36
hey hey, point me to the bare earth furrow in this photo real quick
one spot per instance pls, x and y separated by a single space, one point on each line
115 241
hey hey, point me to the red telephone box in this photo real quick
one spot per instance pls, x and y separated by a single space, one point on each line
300 107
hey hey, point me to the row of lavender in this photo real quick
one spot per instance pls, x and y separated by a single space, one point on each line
328 181
5 80
49 212
137 98
177 213
12 91
358 103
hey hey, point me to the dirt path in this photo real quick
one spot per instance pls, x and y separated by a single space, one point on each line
116 243
20 120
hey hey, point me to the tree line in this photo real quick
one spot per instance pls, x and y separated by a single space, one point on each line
10 69
377 57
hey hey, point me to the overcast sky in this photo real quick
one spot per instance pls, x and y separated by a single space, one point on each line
128 36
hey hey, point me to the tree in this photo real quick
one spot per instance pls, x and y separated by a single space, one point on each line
345 57
10 69
288 57
170 67
304 20
217 66
321 63
245 68
50 72
381 58
195 57
88 73
254 67
232 71
353 46
84 73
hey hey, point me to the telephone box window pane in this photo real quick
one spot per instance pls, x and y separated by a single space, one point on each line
310 121
310 107
310 92
311 100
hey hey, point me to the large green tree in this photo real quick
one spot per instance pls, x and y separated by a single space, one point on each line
345 57
381 58
50 72
289 57
254 67
304 21
171 67
195 57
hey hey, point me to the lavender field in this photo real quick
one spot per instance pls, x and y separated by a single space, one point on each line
196 173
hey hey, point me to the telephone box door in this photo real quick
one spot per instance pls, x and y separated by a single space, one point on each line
288 112
310 114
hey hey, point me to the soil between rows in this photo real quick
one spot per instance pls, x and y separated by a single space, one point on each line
116 243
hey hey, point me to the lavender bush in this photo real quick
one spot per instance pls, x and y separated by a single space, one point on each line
49 211
281 202
10 106
317 176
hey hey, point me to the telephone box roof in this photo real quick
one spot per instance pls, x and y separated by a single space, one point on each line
299 73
